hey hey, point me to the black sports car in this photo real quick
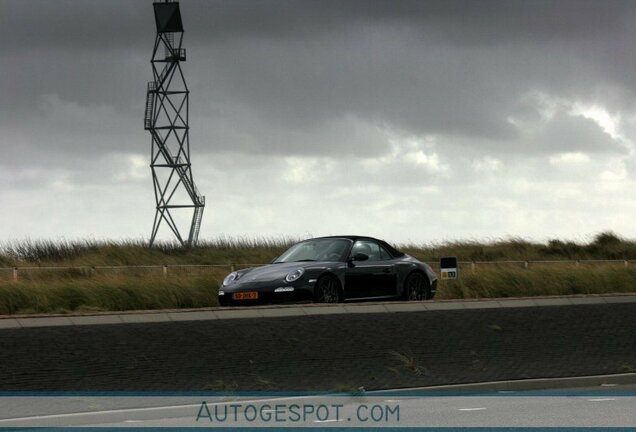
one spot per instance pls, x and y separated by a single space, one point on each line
331 270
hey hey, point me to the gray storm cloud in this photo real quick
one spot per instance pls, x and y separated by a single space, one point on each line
424 67
370 94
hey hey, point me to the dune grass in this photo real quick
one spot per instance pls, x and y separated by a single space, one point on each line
555 280
106 294
222 250
82 289
603 246
226 250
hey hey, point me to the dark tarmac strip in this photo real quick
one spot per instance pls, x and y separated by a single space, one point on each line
324 351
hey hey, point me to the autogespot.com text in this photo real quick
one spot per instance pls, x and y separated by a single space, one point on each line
300 413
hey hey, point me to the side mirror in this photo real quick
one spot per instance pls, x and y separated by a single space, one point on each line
360 257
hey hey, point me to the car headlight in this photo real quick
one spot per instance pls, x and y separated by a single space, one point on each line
294 275
232 277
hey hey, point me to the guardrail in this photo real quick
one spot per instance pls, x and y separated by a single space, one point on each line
14 273
19 272
526 264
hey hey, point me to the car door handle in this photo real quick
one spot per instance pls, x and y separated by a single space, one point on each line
387 270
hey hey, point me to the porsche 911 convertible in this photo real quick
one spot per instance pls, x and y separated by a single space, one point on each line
332 270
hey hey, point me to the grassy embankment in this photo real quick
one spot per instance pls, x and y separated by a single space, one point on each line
128 289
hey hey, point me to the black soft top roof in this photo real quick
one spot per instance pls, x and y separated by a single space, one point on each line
393 251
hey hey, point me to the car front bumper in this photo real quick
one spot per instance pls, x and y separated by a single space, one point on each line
266 294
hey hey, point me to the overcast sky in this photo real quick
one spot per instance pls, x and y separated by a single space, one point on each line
413 121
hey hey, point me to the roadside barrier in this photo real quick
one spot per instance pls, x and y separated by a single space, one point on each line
27 272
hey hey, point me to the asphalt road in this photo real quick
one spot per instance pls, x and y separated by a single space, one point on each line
607 406
502 411
323 353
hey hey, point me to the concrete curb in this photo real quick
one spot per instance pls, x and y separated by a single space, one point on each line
156 316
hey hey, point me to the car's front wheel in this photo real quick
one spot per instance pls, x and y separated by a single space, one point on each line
416 287
327 290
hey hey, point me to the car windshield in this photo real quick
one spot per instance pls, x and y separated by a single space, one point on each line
317 250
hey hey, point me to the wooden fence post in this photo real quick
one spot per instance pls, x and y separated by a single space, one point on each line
165 271
15 274
472 266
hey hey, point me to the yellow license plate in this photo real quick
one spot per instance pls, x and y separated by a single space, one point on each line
252 295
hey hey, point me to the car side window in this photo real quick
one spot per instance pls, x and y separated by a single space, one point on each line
384 255
370 248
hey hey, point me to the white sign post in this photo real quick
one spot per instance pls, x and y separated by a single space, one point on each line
448 268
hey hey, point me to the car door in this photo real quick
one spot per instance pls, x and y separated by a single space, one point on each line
375 277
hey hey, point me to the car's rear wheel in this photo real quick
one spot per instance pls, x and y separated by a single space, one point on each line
327 290
416 287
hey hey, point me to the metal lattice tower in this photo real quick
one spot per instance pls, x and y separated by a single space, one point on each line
166 118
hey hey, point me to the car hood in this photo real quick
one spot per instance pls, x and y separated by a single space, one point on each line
273 272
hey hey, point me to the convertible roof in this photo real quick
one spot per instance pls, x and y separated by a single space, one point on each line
393 251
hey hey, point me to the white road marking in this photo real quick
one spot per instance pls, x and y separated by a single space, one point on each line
147 409
471 409
111 411
601 399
